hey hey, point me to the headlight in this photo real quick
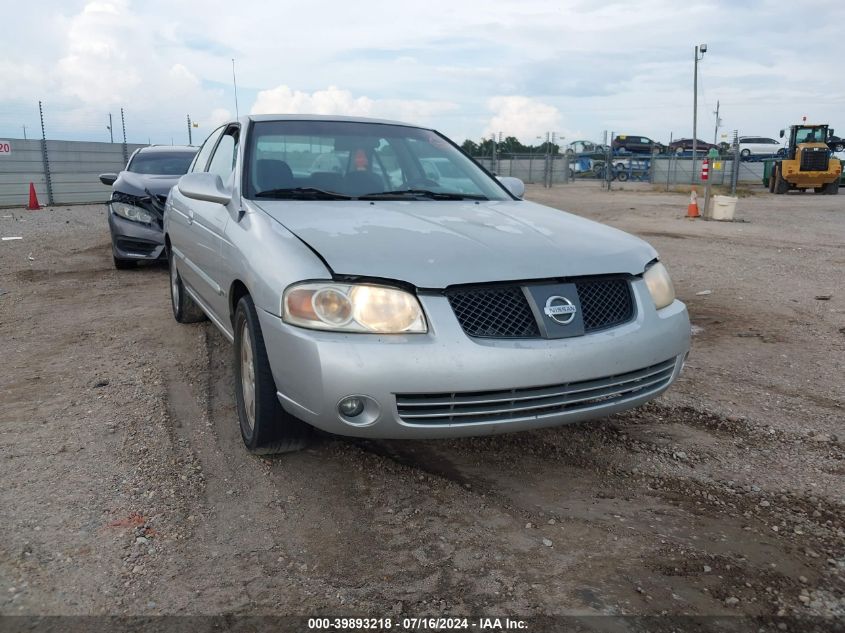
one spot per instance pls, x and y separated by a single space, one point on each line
352 308
131 212
659 285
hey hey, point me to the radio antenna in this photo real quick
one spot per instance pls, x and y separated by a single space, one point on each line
235 84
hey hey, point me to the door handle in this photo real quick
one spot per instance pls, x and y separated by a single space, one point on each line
190 217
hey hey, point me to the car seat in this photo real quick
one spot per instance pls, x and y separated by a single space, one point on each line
272 174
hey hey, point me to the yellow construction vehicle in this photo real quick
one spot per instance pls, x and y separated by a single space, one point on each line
807 162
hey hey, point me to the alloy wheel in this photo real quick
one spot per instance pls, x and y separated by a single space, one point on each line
247 376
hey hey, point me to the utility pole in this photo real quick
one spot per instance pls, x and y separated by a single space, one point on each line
190 140
546 160
718 125
701 48
111 130
24 132
552 160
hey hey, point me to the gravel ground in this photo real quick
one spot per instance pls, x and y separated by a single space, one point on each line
126 489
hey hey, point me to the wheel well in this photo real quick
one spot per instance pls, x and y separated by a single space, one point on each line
237 291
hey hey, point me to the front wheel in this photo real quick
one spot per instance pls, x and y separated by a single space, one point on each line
746 153
781 185
265 426
831 188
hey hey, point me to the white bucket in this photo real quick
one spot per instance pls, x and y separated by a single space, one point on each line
722 208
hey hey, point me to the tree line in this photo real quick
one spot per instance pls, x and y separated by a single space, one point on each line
506 147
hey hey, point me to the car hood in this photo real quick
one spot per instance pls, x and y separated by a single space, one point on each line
139 184
435 244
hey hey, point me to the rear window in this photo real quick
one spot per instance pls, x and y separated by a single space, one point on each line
161 163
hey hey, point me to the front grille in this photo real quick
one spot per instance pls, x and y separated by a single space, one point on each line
504 312
531 402
605 303
494 312
814 159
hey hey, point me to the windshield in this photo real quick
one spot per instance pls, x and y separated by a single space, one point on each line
161 163
810 135
307 158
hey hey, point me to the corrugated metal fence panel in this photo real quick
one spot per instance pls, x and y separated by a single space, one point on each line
18 169
74 170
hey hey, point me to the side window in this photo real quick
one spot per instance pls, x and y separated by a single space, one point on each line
223 161
205 151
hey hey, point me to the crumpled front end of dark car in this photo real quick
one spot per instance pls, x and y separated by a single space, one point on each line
134 240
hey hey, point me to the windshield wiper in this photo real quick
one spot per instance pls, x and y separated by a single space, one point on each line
302 192
424 193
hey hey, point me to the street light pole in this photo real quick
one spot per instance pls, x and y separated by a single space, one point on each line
699 54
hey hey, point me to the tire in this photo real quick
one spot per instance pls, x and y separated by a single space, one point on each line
781 185
124 264
622 176
185 309
831 188
745 154
266 427
818 189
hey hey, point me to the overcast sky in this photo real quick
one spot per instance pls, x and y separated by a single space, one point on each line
522 67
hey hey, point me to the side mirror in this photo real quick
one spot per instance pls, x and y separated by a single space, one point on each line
108 179
781 133
204 186
514 185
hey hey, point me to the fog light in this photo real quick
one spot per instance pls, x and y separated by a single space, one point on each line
351 407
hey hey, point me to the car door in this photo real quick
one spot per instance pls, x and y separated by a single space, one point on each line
208 220
773 146
180 213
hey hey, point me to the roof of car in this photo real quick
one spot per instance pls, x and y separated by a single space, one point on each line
168 148
321 117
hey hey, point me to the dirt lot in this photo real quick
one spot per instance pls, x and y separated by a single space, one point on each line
126 490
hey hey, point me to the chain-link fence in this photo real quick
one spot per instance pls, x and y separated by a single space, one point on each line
606 167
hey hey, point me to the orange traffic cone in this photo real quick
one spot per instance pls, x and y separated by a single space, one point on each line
692 208
33 199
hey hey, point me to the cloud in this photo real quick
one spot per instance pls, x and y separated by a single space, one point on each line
522 117
110 58
333 100
600 66
96 66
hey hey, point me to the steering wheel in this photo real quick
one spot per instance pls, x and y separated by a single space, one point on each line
421 183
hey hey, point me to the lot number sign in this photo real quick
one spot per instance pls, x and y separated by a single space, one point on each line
5 148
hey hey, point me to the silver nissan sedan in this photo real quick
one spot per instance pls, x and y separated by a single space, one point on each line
367 295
